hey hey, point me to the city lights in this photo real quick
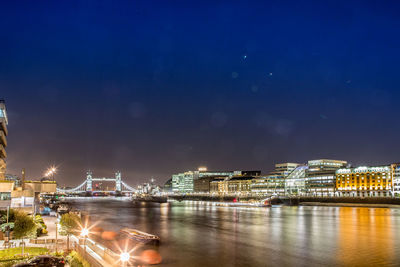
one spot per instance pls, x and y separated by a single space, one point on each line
125 256
236 133
85 232
50 171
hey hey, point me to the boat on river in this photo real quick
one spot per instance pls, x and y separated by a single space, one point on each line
141 237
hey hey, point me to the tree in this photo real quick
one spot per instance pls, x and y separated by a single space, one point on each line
23 226
69 222
11 216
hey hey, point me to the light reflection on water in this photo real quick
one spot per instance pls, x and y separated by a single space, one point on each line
203 234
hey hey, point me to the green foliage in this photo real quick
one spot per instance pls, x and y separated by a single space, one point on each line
76 260
24 226
11 216
10 263
57 254
40 225
4 226
15 253
69 222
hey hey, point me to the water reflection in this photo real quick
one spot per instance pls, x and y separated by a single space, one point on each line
366 236
203 234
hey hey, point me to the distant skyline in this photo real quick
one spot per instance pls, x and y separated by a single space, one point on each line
152 88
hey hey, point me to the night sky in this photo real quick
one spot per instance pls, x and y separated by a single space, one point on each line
154 88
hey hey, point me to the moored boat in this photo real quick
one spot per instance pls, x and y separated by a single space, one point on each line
141 237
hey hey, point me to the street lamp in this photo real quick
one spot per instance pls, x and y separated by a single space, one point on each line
84 233
56 235
50 172
125 256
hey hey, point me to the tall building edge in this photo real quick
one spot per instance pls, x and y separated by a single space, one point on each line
3 138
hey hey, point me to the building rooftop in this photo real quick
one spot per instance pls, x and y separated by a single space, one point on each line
238 178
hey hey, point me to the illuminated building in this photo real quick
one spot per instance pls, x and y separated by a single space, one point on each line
320 176
274 182
364 181
239 184
3 140
235 185
182 182
203 184
295 182
5 186
218 186
13 178
196 181
396 179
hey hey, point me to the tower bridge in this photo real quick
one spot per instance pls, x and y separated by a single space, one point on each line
87 185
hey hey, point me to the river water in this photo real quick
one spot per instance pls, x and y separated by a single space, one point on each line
203 234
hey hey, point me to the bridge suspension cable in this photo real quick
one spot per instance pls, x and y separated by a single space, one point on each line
128 187
82 188
86 186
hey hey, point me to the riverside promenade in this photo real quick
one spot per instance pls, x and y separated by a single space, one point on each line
48 241
94 253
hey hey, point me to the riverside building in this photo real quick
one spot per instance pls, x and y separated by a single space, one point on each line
295 182
396 179
3 140
203 184
274 182
236 185
320 176
239 185
5 186
185 182
364 182
218 186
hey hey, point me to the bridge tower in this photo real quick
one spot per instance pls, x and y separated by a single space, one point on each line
89 181
118 185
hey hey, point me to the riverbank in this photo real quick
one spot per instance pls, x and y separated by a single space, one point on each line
304 236
296 201
356 205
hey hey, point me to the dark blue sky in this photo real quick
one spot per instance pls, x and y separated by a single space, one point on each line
153 88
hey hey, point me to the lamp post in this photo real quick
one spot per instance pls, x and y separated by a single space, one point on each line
124 257
84 233
51 172
56 235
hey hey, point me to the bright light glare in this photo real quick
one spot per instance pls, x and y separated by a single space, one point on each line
125 256
51 171
84 232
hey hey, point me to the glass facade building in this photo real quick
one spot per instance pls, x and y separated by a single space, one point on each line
184 182
295 183
3 139
274 182
320 176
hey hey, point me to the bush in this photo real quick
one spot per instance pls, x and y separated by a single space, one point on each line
40 225
58 254
24 226
11 216
4 226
